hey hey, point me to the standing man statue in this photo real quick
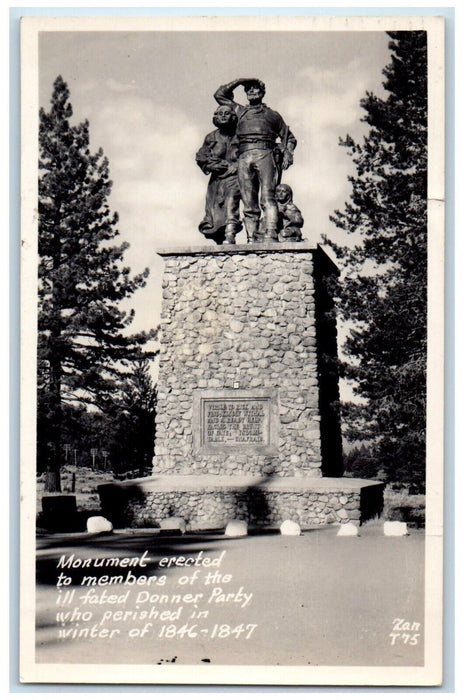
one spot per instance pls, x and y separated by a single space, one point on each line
261 160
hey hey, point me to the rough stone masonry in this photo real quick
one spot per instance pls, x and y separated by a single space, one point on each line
247 389
247 319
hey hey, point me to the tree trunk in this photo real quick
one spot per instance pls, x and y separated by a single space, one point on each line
52 474
52 478
52 482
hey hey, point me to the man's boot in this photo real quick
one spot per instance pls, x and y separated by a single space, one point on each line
271 235
251 229
229 235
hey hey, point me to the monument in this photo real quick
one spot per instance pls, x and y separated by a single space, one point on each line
248 423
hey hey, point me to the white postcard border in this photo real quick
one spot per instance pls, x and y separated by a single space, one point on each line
430 674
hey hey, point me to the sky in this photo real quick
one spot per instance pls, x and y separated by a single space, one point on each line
148 96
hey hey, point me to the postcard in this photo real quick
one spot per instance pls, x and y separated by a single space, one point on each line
232 264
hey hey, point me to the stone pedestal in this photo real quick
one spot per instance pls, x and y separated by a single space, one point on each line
248 379
206 502
248 406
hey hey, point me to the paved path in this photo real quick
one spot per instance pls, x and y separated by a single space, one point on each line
316 599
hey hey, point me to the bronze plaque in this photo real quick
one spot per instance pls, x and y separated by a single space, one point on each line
235 421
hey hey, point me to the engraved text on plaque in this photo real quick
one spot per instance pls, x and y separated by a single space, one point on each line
241 421
235 422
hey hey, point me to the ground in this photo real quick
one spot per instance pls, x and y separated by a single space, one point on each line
317 599
86 483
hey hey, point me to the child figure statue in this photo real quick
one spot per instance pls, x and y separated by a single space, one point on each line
290 218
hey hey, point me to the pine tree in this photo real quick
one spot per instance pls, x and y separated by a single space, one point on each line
133 439
383 295
83 344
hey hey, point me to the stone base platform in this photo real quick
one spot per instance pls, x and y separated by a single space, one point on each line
209 501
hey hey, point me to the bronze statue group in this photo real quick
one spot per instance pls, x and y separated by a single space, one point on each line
245 157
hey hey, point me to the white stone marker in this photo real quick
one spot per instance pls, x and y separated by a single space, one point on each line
98 523
395 528
348 530
290 528
236 528
173 524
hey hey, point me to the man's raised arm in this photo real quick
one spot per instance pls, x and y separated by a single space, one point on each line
225 93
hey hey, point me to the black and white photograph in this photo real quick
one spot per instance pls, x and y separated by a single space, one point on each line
232 235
